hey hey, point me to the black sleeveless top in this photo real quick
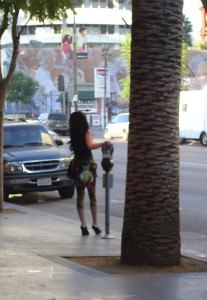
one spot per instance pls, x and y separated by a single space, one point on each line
81 151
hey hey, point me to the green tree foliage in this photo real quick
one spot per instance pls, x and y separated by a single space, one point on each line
200 45
126 55
187 30
21 88
187 42
184 65
125 85
39 10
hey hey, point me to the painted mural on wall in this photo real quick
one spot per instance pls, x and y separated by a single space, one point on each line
46 64
197 63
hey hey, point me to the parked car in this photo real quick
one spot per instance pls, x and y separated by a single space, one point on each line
33 161
118 128
55 121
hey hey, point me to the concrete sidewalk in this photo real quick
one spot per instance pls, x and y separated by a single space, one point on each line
33 247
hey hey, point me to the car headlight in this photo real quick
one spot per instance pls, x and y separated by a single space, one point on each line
64 162
12 167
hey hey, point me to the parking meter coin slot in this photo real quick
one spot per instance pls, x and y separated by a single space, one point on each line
107 164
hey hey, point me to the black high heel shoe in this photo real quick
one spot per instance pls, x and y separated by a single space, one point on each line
96 229
84 230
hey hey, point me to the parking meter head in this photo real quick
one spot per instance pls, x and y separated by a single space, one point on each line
107 161
107 150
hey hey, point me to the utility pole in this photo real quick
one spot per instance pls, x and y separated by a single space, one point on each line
106 54
61 78
75 96
61 88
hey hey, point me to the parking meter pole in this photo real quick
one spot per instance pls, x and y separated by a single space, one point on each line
107 205
107 164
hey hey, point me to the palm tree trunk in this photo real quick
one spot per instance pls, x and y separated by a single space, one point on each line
151 230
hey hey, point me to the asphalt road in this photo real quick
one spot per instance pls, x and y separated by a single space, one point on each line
193 190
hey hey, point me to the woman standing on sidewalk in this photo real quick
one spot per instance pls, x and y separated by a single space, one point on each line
81 143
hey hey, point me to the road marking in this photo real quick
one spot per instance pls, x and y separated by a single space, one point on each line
117 201
203 165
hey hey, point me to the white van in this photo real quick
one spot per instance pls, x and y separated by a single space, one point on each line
193 116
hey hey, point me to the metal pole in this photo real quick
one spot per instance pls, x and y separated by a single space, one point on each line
107 205
64 27
106 99
51 108
64 102
107 184
75 62
105 87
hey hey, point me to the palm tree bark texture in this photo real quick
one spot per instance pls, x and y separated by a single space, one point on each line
151 229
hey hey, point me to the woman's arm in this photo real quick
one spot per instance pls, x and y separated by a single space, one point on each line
90 142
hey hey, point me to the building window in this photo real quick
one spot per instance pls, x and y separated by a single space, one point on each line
78 3
110 4
24 32
121 4
103 29
185 107
57 28
95 3
31 29
124 4
123 29
129 4
87 3
103 3
95 29
111 29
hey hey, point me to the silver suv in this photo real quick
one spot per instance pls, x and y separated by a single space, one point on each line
55 121
33 161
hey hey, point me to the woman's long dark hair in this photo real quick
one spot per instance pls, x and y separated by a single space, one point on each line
78 125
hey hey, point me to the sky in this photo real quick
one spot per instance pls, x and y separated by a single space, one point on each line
192 12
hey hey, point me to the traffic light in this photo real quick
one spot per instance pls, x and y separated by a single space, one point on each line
61 83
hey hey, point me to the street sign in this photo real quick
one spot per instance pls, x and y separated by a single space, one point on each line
102 82
96 120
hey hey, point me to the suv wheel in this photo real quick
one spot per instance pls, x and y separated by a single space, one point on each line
66 192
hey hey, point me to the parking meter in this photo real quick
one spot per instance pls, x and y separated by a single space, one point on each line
107 161
107 164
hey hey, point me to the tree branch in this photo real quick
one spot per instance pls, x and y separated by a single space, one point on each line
15 40
4 24
23 27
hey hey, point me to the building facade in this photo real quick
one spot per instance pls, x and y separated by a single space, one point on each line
74 48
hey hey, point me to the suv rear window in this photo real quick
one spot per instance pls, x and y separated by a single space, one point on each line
60 117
